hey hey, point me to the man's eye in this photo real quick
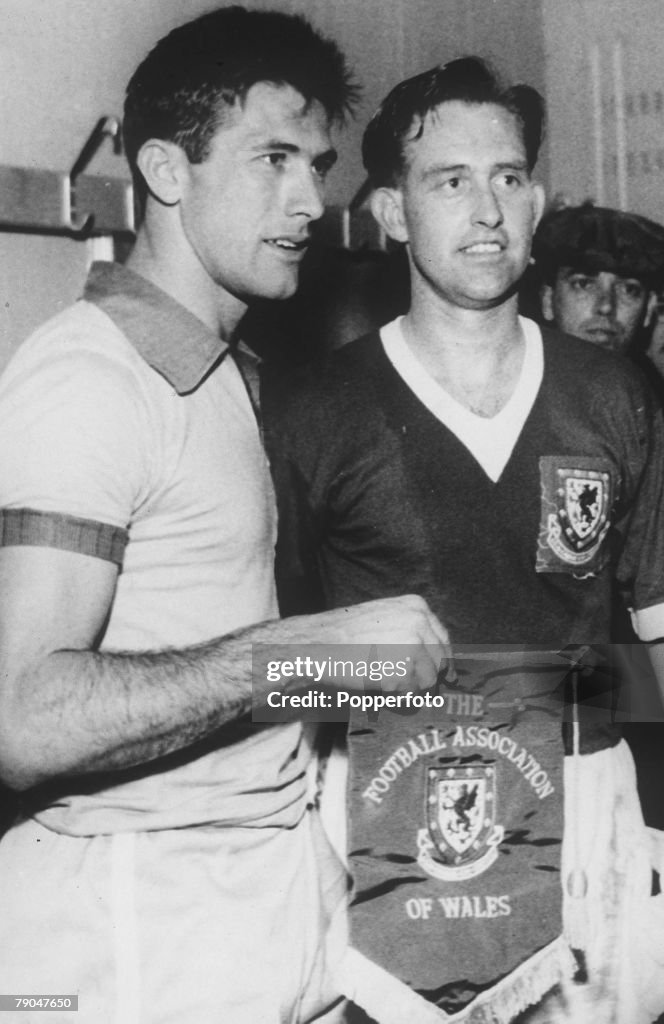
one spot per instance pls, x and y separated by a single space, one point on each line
633 290
580 283
274 159
451 185
508 180
322 168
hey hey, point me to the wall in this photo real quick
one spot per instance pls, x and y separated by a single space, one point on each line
64 64
605 86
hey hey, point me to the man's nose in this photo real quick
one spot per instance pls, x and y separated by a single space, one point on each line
605 297
307 193
487 209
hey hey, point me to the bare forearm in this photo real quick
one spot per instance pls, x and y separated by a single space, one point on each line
72 712
78 712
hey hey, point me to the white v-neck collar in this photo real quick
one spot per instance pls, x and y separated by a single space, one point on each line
490 441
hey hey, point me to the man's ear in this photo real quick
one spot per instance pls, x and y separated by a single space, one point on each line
539 196
164 166
387 208
651 310
546 301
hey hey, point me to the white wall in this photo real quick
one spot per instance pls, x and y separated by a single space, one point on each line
63 65
587 135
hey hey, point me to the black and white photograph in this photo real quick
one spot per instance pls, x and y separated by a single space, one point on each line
332 512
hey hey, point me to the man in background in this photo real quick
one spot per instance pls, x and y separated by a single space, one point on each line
167 865
601 271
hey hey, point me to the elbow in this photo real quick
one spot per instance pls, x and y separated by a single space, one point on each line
21 761
18 776
28 739
14 778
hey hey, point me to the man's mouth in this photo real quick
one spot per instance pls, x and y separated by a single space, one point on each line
293 245
601 336
601 330
483 248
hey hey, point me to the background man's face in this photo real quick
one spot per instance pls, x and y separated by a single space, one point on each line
468 205
603 308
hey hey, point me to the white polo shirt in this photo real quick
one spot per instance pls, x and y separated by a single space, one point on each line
128 434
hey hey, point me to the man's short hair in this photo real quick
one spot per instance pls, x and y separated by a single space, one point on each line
591 239
400 117
181 91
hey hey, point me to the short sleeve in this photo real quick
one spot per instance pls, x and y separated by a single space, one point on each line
71 446
640 569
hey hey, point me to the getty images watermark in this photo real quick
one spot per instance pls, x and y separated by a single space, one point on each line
596 684
322 686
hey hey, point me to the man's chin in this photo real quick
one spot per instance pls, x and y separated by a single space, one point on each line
489 298
487 293
272 291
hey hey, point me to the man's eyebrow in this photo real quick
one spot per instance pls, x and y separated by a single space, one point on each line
519 164
435 169
573 271
328 156
287 147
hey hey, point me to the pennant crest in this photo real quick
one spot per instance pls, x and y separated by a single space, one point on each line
461 837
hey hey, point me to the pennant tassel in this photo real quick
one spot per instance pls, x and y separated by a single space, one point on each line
389 1001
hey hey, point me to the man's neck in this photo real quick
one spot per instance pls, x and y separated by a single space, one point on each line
183 278
475 355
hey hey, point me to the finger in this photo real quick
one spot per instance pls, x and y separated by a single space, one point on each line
442 653
438 631
432 624
425 669
433 629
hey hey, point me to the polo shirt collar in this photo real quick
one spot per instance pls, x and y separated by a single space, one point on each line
172 340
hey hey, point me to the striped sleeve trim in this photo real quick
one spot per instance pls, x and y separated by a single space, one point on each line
29 526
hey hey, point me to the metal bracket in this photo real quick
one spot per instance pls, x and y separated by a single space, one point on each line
75 203
97 204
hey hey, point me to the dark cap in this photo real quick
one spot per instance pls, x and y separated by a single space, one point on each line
592 238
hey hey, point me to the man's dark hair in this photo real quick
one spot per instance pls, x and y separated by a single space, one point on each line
590 239
181 89
400 117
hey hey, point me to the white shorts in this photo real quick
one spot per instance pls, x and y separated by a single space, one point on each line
189 926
